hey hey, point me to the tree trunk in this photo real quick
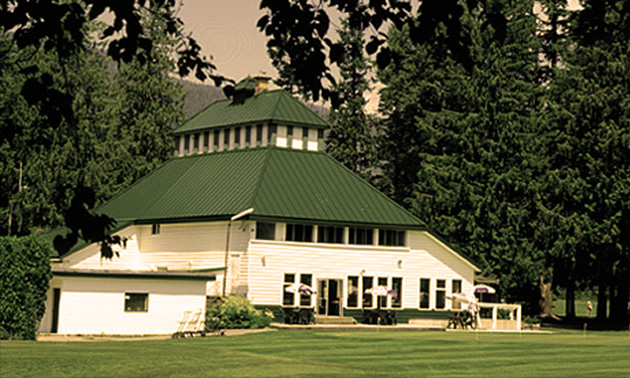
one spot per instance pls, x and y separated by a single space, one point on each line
619 295
602 298
570 300
546 295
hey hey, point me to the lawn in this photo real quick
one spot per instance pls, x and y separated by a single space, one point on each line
329 353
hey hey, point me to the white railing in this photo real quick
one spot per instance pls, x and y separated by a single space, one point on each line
513 323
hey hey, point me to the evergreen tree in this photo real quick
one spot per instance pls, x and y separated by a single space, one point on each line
461 138
590 99
352 135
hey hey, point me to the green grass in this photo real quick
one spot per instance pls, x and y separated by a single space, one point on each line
329 353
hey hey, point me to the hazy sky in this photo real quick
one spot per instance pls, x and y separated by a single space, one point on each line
226 30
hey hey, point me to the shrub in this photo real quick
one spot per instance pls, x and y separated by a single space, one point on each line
236 312
24 278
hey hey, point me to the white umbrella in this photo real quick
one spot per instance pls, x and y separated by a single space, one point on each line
378 290
463 298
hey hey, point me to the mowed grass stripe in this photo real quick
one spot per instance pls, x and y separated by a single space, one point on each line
330 353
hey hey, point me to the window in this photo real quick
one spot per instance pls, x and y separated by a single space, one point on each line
368 299
397 287
353 291
361 236
299 233
248 136
305 137
271 133
258 134
265 231
216 139
155 229
425 292
136 302
440 294
305 299
289 135
391 237
382 299
194 142
226 139
288 298
206 141
237 137
456 287
330 234
186 143
177 138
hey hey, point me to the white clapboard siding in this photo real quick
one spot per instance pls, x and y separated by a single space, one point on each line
177 247
96 305
425 257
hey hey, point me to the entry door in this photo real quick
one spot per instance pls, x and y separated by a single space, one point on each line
329 297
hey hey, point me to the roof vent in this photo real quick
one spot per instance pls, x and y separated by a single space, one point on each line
262 83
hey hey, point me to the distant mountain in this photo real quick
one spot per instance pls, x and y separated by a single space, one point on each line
198 96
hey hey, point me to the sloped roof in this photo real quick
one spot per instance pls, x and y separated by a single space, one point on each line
280 184
275 106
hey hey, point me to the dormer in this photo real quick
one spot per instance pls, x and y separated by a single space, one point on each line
253 116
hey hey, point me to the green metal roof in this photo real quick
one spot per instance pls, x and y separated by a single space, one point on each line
275 106
281 184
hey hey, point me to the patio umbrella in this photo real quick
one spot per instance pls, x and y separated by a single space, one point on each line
462 298
485 289
300 289
378 290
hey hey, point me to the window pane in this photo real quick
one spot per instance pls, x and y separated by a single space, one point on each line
237 137
382 299
265 231
391 237
136 302
440 294
258 134
299 233
215 142
226 139
456 288
248 135
206 140
367 297
353 291
361 236
330 234
288 298
306 279
397 286
186 143
425 292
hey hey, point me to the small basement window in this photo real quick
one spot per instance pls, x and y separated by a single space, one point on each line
136 302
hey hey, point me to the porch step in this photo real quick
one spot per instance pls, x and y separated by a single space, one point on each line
334 320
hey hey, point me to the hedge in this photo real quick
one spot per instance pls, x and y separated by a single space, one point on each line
24 278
